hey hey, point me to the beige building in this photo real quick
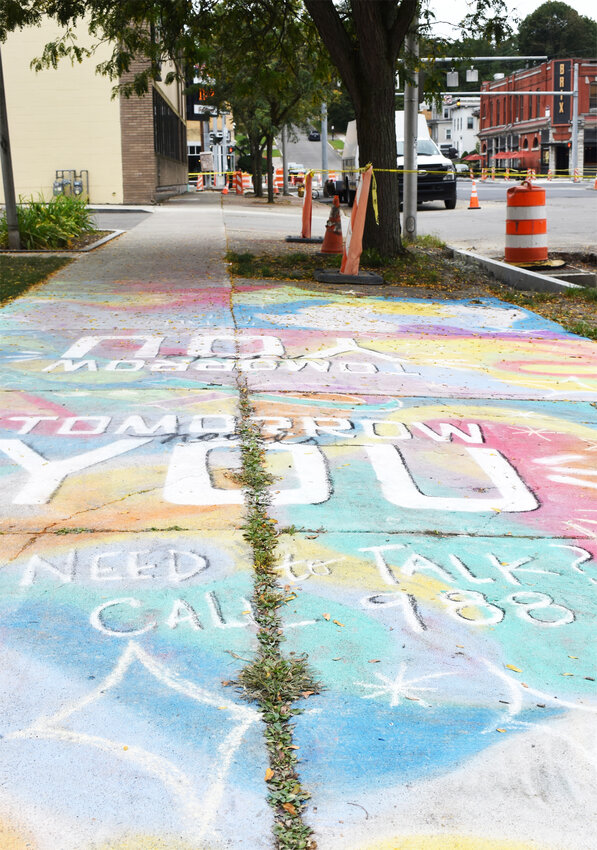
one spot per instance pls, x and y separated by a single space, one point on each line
124 150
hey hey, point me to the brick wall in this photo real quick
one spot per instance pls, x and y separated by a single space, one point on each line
147 177
139 162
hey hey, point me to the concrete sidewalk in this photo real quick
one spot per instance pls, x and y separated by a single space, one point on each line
435 495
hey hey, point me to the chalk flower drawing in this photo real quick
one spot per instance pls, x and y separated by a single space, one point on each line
198 812
400 688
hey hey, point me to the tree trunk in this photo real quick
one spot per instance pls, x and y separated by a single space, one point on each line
376 128
257 167
270 167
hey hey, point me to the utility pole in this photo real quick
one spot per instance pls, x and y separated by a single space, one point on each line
411 117
12 222
574 141
284 163
324 142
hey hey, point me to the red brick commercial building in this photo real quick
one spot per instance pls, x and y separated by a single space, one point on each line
535 130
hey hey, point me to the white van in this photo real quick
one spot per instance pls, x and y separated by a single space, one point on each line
436 174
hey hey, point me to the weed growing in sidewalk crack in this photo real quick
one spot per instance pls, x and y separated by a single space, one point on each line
272 680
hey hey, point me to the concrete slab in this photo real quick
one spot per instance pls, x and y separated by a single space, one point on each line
431 466
131 305
117 729
119 461
151 357
456 690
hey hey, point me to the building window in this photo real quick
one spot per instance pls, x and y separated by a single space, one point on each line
446 113
497 112
470 122
593 97
490 114
448 135
169 133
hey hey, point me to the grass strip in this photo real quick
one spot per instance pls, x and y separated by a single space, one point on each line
18 274
272 680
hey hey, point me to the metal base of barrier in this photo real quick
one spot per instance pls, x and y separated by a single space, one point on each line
314 240
544 264
368 278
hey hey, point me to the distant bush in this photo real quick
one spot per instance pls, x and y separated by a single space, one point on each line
49 225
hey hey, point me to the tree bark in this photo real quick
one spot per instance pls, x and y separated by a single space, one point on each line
270 167
376 129
257 167
366 60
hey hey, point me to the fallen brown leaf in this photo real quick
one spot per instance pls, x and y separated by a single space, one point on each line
289 808
268 774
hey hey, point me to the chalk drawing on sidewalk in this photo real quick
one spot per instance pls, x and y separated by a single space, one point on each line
199 812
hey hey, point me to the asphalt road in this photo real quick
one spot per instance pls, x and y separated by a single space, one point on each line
309 153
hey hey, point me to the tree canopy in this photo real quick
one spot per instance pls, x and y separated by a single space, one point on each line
557 30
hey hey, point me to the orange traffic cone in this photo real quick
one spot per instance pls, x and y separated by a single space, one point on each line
474 201
225 188
332 241
595 184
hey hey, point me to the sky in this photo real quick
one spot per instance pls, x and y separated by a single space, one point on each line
455 10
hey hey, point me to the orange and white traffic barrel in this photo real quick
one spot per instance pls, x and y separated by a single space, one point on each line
247 182
200 182
238 182
526 224
483 174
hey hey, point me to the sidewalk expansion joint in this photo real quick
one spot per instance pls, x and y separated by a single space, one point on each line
273 681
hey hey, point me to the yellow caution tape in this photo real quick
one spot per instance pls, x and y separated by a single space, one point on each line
374 196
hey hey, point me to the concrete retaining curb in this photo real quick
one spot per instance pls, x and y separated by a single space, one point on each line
513 276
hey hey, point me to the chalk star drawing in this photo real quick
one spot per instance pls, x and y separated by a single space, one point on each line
200 812
518 694
571 473
537 432
399 688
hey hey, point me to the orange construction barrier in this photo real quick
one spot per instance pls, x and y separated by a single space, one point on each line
307 207
278 181
238 182
332 241
507 174
595 184
493 172
474 201
354 236
247 182
483 174
526 225
199 186
550 174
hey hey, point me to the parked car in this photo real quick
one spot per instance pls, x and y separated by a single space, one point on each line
314 136
462 169
296 168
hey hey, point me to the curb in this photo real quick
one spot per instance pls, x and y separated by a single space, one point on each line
518 278
58 253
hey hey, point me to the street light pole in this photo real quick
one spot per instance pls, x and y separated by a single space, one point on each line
324 141
574 141
411 115
12 222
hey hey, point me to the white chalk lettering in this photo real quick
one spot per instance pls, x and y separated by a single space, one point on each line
377 428
181 364
508 570
89 425
72 365
98 621
46 476
35 563
273 426
297 365
407 604
211 344
183 612
124 365
357 368
175 571
30 422
448 431
261 365
381 563
100 572
527 601
138 426
337 428
468 605
188 481
399 488
214 366
85 344
466 573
